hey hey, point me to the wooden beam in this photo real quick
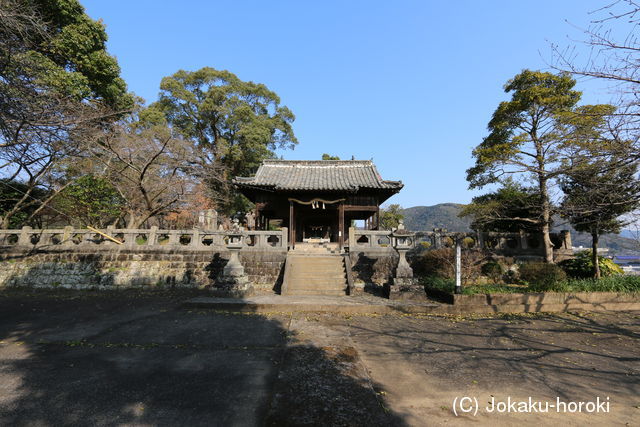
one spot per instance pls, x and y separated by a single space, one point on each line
113 239
370 208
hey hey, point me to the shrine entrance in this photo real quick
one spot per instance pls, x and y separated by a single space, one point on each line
316 220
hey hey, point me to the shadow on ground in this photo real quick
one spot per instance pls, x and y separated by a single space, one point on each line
571 355
88 358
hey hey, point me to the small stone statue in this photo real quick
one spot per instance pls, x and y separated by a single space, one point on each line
250 220
211 219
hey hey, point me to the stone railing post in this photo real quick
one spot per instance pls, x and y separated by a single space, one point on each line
109 232
352 237
284 237
195 238
23 239
130 238
67 235
152 236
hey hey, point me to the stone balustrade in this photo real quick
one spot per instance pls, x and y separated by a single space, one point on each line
508 244
370 240
152 238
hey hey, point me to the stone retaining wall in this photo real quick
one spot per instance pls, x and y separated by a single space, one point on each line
372 269
125 268
545 302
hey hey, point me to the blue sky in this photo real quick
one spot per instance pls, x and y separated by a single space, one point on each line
409 84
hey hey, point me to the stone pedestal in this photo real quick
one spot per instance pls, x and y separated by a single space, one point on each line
404 286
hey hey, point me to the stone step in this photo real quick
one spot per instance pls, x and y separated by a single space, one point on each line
319 282
312 280
319 292
315 274
316 258
317 268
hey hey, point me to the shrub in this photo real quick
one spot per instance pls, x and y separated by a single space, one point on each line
493 270
441 263
541 276
581 266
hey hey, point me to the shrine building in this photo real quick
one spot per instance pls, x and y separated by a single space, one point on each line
317 199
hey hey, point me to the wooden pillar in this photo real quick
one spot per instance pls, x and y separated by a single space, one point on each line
377 224
341 225
292 226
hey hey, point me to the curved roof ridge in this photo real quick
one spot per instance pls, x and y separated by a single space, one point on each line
318 175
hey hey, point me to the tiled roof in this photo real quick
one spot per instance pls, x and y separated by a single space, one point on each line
349 175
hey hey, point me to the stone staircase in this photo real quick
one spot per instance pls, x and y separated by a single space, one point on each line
314 271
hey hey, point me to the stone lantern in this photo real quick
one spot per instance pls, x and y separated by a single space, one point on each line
234 281
404 285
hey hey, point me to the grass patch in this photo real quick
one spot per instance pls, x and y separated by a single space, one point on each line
625 284
606 284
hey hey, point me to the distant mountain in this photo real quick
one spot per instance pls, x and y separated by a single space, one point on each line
445 215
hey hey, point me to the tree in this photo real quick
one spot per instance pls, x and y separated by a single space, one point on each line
326 156
11 192
613 55
510 208
390 217
531 137
232 124
144 160
597 195
90 200
57 83
614 51
56 45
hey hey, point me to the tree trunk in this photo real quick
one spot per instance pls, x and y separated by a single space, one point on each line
546 221
131 222
594 254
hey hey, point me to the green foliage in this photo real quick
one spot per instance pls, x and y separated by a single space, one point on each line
605 284
326 156
11 192
493 270
92 200
541 276
525 124
235 124
390 217
582 266
439 283
598 194
511 208
65 51
535 136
